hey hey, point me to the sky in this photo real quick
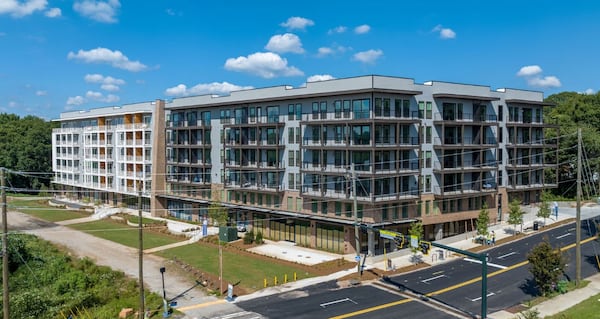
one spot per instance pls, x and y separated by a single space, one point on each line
58 56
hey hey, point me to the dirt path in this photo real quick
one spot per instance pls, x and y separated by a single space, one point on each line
116 256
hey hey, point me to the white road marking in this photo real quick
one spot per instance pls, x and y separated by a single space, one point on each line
489 264
506 255
432 278
325 304
479 298
563 236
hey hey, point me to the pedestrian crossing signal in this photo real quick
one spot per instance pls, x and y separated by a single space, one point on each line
425 247
399 241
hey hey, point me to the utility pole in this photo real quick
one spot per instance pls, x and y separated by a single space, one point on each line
4 248
142 314
355 213
578 218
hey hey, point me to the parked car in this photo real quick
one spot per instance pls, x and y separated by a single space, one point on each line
241 226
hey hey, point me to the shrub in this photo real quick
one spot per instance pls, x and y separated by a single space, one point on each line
259 238
249 238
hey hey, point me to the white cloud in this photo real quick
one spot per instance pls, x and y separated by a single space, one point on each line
533 76
338 29
324 51
319 77
445 33
205 88
110 87
362 29
369 56
264 64
101 11
98 96
282 43
104 55
41 93
13 104
544 82
53 13
18 9
107 83
75 100
589 91
297 23
529 70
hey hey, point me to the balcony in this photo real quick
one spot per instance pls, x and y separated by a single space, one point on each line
465 165
464 118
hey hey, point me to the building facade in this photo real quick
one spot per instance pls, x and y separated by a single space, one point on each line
307 164
284 159
109 155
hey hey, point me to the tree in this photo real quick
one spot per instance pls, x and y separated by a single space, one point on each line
483 220
546 266
216 211
515 214
415 230
544 210
26 145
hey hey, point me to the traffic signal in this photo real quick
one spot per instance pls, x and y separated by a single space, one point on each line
399 240
425 246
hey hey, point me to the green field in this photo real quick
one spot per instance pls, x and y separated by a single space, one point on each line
589 309
246 270
41 209
125 235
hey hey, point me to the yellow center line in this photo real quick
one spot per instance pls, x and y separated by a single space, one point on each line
367 310
201 305
450 288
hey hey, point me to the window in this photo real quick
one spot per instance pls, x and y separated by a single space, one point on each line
427 207
273 114
346 107
338 209
427 183
323 110
315 134
315 110
361 108
297 159
252 114
348 210
291 112
225 116
337 105
421 109
427 134
298 111
384 212
324 208
386 107
500 113
290 159
426 159
361 134
428 107
290 182
291 135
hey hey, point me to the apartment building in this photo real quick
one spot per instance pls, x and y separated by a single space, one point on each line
285 159
110 155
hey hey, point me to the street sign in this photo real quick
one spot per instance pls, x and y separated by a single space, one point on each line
387 234
357 258
414 241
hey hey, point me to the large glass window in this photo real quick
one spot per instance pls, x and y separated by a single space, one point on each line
337 105
361 134
361 108
273 114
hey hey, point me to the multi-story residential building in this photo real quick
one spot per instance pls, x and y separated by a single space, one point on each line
109 154
284 158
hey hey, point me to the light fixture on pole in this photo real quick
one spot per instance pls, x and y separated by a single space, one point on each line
166 309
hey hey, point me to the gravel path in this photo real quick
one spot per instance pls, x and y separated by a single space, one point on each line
116 256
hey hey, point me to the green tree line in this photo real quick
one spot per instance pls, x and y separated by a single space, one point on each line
574 110
26 146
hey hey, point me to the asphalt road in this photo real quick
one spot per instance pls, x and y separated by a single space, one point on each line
456 284
329 301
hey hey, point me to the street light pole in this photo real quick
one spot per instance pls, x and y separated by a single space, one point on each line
355 213
166 311
141 254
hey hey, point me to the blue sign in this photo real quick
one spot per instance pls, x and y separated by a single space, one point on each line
357 258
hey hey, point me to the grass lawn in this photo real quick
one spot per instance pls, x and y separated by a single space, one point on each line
589 308
41 209
125 235
247 270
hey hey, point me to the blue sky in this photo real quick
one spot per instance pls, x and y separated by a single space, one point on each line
57 56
